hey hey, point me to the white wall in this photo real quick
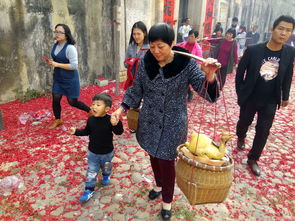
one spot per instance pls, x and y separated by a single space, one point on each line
147 11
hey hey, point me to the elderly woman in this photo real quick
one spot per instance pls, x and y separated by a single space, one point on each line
162 81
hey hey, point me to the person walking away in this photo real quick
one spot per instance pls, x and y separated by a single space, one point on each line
100 128
263 82
241 38
184 29
65 77
252 36
235 25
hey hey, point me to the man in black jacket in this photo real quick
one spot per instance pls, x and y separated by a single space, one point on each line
263 82
253 36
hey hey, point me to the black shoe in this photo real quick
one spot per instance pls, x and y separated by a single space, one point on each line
166 214
153 194
241 144
254 167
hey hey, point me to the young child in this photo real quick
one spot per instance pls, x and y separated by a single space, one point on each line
99 128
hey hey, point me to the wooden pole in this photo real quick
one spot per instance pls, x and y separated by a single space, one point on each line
194 56
208 39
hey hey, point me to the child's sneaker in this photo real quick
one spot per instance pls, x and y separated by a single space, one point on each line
86 196
105 180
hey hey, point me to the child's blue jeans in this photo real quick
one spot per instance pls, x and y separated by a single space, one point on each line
95 163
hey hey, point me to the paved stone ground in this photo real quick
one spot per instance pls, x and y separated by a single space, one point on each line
52 165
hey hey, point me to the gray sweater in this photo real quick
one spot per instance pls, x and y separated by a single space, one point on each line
131 51
71 54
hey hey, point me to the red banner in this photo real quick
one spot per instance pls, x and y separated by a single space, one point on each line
208 22
168 15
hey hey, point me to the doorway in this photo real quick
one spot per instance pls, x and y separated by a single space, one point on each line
182 14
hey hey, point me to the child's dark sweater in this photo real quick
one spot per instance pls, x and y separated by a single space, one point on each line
100 131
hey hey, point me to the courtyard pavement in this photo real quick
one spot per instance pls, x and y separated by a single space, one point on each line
52 165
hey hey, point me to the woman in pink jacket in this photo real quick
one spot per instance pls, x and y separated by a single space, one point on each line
194 48
192 45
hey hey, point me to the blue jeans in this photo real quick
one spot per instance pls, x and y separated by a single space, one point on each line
95 163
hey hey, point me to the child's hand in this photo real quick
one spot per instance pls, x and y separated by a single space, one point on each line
114 120
72 130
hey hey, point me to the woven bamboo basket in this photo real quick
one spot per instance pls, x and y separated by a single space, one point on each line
132 118
202 183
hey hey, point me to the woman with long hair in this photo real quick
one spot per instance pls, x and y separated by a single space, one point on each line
138 46
65 77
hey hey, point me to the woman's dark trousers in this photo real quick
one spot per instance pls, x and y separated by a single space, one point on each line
56 98
164 172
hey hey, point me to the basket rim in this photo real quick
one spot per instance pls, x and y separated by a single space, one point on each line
204 166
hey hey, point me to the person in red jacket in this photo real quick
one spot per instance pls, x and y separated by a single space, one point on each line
138 45
192 45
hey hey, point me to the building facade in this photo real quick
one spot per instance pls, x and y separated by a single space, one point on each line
102 30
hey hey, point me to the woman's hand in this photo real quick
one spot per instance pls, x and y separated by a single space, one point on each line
114 120
209 66
59 65
117 114
72 130
53 63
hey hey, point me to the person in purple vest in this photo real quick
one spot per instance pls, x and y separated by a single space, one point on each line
65 77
